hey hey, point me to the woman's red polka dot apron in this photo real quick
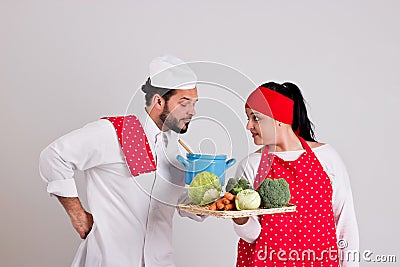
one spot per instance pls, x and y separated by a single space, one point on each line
306 237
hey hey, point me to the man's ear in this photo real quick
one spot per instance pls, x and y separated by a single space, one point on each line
158 102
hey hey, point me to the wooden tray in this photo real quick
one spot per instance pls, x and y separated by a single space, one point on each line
204 210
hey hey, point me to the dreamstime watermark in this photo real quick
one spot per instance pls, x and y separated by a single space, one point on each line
342 254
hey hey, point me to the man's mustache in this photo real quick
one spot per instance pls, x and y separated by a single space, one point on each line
187 118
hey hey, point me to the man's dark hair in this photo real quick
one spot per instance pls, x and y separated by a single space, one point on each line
150 91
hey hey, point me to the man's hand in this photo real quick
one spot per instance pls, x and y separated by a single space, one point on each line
82 223
81 220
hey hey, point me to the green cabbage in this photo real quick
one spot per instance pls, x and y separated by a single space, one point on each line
204 188
247 199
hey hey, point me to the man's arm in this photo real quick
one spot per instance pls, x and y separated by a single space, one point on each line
90 146
81 220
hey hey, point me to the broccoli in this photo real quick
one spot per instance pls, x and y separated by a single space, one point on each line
274 193
235 185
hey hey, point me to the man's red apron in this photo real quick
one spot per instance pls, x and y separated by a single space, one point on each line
134 144
306 237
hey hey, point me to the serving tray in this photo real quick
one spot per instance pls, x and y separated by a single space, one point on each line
205 210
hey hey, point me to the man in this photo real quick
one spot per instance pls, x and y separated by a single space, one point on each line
131 206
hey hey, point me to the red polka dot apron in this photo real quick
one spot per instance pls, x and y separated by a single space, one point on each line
306 237
134 144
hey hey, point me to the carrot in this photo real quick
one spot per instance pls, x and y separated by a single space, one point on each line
220 200
229 206
220 204
226 201
213 206
229 196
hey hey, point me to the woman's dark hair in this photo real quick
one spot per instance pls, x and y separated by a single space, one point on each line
301 123
150 91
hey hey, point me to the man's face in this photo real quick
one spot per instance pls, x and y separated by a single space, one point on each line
179 110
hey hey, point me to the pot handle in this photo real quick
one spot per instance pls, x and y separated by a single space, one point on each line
182 160
230 162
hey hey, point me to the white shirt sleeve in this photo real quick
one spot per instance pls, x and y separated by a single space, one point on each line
342 199
342 203
93 145
247 168
249 231
184 199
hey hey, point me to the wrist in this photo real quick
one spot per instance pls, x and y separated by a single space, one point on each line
72 206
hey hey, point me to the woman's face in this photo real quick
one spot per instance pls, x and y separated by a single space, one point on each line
261 127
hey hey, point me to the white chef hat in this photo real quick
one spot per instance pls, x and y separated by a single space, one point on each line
171 72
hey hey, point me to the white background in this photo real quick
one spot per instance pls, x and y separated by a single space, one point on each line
66 63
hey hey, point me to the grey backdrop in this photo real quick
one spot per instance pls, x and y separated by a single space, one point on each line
66 63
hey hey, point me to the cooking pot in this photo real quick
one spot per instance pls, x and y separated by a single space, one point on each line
196 163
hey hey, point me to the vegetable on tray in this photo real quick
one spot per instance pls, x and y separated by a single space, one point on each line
247 199
204 188
239 200
235 185
227 202
274 193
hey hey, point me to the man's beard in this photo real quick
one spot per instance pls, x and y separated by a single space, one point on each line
171 122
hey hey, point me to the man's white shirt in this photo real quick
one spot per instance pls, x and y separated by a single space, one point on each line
132 215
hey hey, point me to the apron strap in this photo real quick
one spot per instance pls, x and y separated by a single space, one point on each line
134 144
304 144
264 167
267 161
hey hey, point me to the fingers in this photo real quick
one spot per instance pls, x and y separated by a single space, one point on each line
83 224
90 219
84 233
87 233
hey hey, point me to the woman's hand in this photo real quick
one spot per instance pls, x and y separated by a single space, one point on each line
241 221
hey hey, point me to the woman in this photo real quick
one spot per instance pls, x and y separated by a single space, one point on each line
323 230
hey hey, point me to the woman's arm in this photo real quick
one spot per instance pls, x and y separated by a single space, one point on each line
345 217
343 207
248 228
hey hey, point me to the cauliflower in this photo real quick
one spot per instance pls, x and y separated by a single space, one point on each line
235 185
204 188
247 199
274 193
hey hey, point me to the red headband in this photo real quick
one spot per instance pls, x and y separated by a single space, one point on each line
272 104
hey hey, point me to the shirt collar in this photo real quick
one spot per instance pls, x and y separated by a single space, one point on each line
153 133
149 126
